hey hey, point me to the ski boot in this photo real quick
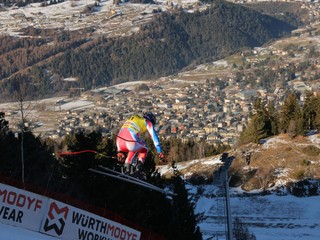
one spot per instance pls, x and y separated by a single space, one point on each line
126 169
140 171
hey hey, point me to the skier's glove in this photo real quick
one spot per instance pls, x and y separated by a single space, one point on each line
162 158
121 157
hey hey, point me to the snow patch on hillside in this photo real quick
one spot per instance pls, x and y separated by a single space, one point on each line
315 139
272 142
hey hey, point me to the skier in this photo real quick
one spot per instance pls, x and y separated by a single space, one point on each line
128 140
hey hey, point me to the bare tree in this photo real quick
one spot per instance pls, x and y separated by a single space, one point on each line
22 95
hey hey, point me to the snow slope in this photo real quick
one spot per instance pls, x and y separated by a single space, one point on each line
8 232
268 217
106 18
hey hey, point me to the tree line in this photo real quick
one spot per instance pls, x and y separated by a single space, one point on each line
179 151
292 118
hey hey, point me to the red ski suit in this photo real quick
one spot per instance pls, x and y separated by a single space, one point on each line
128 139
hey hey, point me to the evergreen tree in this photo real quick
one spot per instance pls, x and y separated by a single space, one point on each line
241 232
274 118
76 165
38 160
179 151
311 112
291 117
255 130
4 125
185 219
9 148
263 124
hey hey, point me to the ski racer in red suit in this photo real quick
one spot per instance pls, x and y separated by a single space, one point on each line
128 139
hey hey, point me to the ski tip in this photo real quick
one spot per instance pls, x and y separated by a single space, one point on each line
170 195
169 192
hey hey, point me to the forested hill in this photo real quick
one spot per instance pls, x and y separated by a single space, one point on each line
172 42
168 44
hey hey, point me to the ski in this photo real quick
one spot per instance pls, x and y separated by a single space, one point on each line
130 179
124 175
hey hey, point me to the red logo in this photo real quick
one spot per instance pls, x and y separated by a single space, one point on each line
56 219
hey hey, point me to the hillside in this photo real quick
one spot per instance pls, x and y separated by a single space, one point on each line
277 161
275 164
157 43
289 12
275 195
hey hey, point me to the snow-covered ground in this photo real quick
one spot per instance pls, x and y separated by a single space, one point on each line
268 217
75 105
8 232
106 18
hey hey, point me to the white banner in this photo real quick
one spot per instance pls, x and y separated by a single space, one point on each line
41 214
21 208
68 222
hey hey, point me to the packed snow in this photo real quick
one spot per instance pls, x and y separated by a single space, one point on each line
8 232
270 217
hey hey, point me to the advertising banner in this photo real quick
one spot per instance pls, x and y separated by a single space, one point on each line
21 208
67 222
41 214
